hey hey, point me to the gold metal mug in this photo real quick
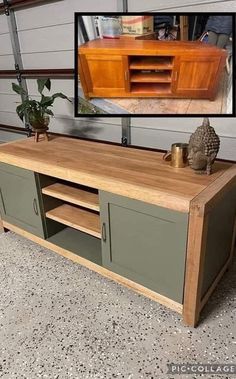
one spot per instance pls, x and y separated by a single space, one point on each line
178 155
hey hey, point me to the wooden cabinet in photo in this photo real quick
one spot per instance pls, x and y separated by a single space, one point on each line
136 68
195 75
110 78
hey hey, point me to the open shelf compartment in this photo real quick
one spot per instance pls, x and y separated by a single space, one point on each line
79 243
151 63
72 194
150 76
151 88
77 218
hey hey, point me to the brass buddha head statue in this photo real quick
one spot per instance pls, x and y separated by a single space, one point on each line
203 148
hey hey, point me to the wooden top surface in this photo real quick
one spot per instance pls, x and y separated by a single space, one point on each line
139 47
137 174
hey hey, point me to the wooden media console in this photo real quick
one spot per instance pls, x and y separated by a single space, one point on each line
125 213
136 68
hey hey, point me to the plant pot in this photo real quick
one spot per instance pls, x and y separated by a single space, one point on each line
39 123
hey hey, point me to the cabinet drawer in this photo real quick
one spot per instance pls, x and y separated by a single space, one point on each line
19 204
145 243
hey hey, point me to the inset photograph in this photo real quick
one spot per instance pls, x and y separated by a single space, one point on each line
154 64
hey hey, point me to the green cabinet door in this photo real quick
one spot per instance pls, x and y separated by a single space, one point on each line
221 221
19 203
144 243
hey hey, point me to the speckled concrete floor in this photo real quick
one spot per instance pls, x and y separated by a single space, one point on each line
59 320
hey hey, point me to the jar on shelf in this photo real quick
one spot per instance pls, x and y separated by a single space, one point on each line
111 26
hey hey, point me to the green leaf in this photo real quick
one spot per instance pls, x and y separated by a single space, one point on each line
34 109
61 95
48 111
48 84
32 103
43 83
29 105
46 101
20 112
18 89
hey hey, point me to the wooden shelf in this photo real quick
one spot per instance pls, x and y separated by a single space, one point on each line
150 77
151 63
151 88
73 195
76 218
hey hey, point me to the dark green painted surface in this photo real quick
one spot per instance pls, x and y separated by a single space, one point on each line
80 243
45 180
19 204
145 243
47 202
219 237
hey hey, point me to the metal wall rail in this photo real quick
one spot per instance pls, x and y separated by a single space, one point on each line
67 73
12 26
5 74
8 7
122 6
16 4
20 74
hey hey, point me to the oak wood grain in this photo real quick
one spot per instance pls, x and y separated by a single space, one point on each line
1 226
73 195
162 89
82 67
196 249
151 63
77 218
147 47
196 66
137 174
200 208
151 77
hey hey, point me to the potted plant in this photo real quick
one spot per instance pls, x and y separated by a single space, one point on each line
37 112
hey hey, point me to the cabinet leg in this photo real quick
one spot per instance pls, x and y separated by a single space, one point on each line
1 226
2 229
196 248
191 319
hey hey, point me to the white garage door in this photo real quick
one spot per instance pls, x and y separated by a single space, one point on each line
46 36
182 5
